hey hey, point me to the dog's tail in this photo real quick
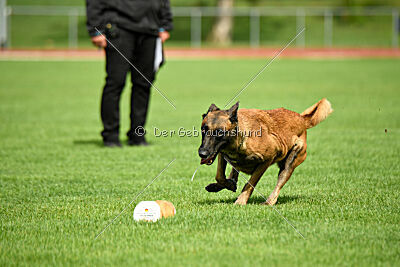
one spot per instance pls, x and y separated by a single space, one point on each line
317 113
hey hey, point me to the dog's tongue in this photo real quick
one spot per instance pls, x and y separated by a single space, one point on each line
205 161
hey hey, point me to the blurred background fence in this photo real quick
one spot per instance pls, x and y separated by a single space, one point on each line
64 26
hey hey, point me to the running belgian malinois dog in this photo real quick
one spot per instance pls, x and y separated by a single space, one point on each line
252 140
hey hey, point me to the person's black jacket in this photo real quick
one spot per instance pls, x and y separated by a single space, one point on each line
144 16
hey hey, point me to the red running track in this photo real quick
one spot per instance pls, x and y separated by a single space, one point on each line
189 53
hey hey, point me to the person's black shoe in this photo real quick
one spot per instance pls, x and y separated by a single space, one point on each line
112 144
137 143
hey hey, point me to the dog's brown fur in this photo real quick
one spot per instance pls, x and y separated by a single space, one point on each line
267 137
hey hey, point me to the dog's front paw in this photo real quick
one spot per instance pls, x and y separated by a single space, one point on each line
214 187
231 185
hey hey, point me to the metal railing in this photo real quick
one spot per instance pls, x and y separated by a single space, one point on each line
197 13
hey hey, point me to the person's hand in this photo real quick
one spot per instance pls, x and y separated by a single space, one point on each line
99 41
164 36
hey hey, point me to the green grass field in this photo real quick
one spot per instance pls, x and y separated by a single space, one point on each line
59 187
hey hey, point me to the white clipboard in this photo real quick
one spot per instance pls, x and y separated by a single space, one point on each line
158 55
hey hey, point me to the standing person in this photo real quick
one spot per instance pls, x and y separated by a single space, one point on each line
136 28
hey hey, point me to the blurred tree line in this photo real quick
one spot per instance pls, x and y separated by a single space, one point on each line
221 32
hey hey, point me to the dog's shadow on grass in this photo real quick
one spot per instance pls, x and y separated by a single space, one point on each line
89 142
256 200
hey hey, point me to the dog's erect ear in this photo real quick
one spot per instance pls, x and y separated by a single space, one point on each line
212 108
232 112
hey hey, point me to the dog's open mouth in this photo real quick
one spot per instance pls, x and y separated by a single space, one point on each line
208 160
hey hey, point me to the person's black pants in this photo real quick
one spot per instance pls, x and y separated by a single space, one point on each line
139 49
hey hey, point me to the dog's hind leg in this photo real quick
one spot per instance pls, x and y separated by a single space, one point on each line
222 182
286 167
249 187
